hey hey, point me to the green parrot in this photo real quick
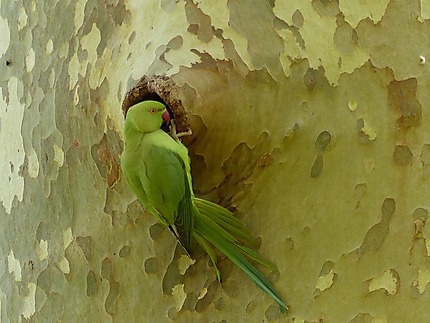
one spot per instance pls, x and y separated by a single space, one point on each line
157 169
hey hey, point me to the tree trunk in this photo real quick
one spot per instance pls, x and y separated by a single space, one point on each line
309 122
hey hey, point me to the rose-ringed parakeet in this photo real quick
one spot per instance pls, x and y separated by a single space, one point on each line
157 168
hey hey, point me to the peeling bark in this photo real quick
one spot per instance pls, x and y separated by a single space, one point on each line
309 122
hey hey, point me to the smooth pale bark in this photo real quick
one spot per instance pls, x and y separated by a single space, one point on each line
309 120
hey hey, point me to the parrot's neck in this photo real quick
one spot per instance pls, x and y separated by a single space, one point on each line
131 133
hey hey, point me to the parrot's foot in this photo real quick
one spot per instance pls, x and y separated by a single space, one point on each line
189 132
175 135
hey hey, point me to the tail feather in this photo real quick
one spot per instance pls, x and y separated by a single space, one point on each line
225 219
208 230
210 251
251 254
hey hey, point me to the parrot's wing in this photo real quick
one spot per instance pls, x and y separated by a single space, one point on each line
165 182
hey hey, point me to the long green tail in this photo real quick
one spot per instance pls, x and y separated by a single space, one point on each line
215 225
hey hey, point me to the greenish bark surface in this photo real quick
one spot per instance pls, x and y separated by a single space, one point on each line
309 120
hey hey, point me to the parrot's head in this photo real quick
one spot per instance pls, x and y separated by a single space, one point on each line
147 116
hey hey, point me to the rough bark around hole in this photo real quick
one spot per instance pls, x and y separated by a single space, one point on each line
158 88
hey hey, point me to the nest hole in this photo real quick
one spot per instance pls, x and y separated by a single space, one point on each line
162 89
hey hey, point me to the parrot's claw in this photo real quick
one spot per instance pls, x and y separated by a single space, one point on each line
189 132
175 135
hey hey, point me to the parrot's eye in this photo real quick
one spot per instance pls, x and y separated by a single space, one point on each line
153 111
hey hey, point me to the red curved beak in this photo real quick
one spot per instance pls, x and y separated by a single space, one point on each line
166 116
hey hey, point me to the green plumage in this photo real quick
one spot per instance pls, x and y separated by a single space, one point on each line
157 168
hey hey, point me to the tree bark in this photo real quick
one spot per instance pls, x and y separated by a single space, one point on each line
309 122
